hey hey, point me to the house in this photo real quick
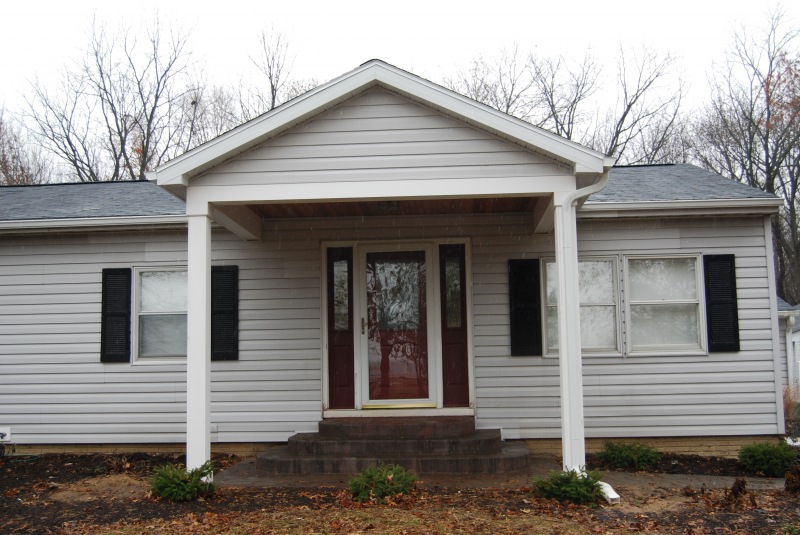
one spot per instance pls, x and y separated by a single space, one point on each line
790 328
382 246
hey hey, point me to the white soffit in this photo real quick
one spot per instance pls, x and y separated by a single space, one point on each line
175 174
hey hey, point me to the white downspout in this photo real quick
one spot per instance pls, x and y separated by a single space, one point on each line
569 333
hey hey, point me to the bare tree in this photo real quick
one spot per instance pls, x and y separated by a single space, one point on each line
643 125
114 115
21 160
274 65
750 131
506 84
563 93
647 105
204 112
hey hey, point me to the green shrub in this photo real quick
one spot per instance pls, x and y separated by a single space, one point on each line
377 482
577 487
772 459
179 485
628 456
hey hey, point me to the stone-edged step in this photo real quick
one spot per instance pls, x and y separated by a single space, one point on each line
482 442
373 428
513 457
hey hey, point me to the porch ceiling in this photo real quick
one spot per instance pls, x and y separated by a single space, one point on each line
396 207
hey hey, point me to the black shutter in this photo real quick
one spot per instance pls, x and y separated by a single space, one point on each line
722 311
225 313
525 307
115 329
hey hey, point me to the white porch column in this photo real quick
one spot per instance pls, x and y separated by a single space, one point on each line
569 335
198 346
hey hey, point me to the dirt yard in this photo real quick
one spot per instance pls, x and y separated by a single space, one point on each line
96 494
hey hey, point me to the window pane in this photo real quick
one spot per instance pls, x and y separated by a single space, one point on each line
452 273
162 291
551 292
664 325
598 327
598 323
552 328
162 335
655 279
596 282
341 296
395 285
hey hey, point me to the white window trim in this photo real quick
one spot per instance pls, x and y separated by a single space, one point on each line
598 352
700 302
134 320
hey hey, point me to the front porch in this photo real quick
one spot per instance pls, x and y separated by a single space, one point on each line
404 164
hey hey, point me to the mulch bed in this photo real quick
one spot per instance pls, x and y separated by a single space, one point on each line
28 484
672 463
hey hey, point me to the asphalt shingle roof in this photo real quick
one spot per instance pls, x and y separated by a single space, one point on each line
128 199
87 200
671 182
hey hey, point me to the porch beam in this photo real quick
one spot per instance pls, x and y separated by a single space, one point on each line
569 336
543 215
239 219
198 345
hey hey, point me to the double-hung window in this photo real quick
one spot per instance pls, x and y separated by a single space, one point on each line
160 313
599 311
663 296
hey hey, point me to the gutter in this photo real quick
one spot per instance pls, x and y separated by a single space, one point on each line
699 207
89 222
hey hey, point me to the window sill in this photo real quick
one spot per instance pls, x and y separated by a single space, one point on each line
159 361
589 354
697 352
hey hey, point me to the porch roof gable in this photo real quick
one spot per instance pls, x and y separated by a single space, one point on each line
176 174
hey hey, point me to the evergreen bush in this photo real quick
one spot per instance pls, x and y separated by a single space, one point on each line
628 456
581 488
772 459
377 482
179 485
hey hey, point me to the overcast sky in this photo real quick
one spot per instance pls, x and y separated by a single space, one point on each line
429 37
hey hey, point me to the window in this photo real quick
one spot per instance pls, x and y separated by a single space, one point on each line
664 304
597 280
161 313
156 319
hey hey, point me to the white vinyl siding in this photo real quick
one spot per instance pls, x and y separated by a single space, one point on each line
379 136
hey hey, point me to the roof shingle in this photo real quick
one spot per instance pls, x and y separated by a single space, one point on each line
87 200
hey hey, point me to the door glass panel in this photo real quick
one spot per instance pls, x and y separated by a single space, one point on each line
452 274
397 326
341 295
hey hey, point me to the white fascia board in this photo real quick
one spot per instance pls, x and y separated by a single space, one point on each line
788 313
377 190
178 171
600 210
89 222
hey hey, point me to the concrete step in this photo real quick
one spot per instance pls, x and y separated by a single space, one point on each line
513 457
482 442
395 428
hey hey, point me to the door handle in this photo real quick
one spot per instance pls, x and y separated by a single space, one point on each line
363 326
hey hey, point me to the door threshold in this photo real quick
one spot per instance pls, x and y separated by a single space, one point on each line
400 412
